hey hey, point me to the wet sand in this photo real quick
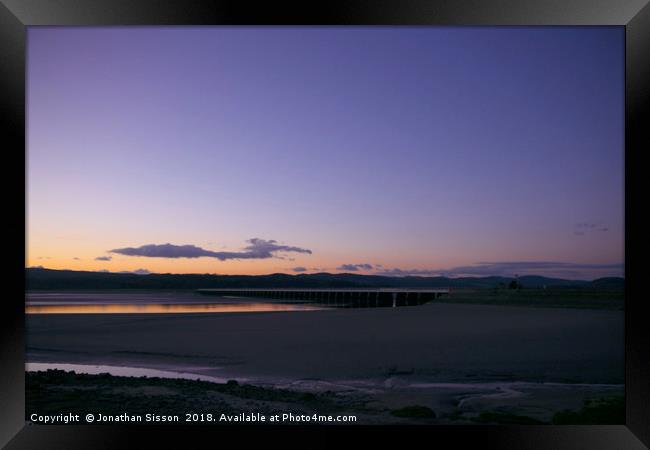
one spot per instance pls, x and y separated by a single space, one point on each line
443 342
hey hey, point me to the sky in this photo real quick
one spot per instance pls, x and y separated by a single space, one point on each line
427 151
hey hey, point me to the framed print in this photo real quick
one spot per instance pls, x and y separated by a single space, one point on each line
263 220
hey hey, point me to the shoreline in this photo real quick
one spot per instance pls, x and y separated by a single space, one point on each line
391 382
397 381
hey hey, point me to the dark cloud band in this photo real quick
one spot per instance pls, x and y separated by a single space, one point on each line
256 249
511 268
355 267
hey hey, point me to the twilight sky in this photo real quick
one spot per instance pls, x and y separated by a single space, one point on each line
424 150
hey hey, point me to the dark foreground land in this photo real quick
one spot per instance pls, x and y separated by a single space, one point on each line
57 392
575 298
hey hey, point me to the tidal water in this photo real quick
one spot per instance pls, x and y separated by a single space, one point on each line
150 303
121 371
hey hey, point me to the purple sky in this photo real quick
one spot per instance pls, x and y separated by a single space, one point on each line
421 150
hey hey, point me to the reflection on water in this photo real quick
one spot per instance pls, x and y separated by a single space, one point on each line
157 308
122 371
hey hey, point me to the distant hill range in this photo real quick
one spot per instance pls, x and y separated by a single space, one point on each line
43 279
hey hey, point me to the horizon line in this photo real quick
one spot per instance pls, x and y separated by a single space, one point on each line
321 273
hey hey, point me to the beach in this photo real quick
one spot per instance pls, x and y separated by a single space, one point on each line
450 357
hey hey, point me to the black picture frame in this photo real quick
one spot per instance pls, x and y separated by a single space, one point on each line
16 15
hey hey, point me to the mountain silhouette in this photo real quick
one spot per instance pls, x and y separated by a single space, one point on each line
41 279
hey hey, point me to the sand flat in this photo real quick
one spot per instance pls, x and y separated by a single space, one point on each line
433 341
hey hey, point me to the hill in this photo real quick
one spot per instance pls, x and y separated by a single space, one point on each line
48 279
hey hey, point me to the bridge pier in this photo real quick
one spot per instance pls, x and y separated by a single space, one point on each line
341 298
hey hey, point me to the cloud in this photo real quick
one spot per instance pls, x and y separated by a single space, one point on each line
583 228
354 267
299 269
512 268
396 272
256 249
137 271
549 268
588 226
103 258
76 258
